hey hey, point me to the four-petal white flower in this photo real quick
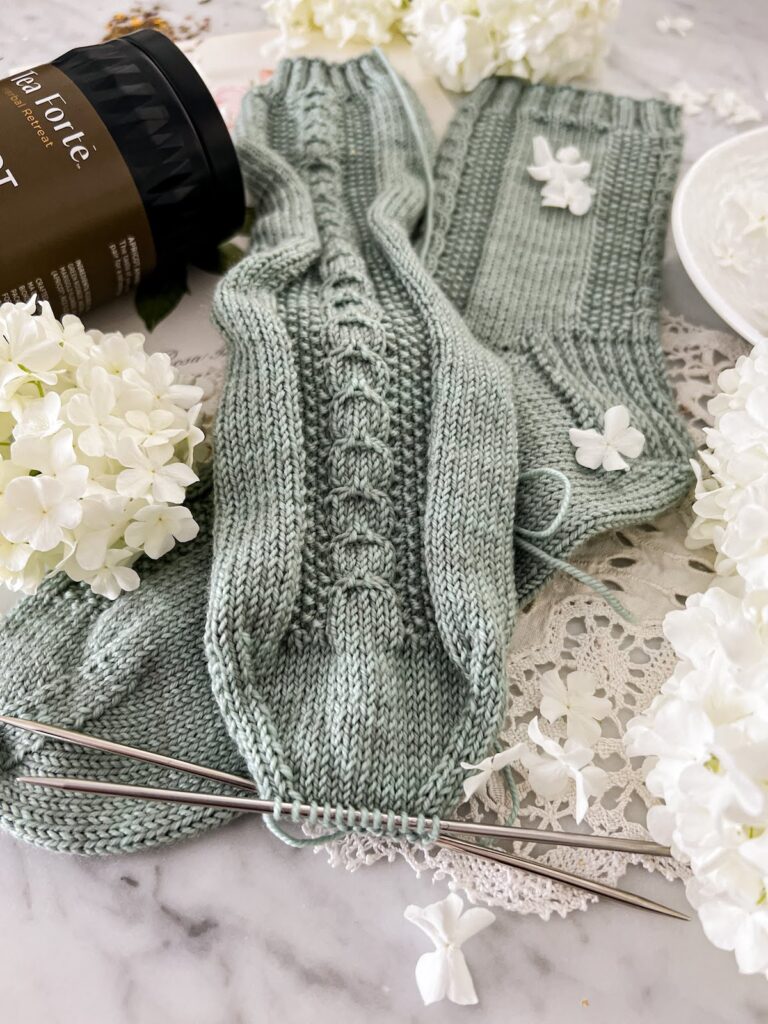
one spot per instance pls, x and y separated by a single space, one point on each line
684 95
680 26
564 174
37 509
156 528
477 785
595 450
575 699
552 771
444 973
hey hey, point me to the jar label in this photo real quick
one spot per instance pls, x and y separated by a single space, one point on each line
75 229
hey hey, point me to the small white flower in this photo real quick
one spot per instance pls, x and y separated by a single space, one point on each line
595 450
156 528
755 206
680 26
40 417
93 411
157 376
150 474
150 429
444 973
732 107
551 772
575 699
564 174
37 509
683 95
103 524
736 928
112 577
477 785
727 255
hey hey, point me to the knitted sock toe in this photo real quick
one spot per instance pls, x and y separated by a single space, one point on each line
131 670
571 303
362 589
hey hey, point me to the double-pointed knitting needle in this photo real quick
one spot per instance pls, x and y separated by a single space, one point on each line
234 803
254 805
558 875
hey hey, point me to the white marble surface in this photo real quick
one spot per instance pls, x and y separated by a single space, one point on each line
233 928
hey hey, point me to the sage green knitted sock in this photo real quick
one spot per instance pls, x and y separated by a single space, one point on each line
131 670
362 592
570 303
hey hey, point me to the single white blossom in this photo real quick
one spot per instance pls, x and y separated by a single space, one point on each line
444 973
156 528
680 26
551 771
564 174
477 785
112 577
684 95
732 107
595 450
40 417
93 411
755 206
727 254
150 473
37 509
575 700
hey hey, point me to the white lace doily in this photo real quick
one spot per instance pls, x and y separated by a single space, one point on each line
571 627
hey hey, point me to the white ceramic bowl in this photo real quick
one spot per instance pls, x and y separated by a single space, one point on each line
693 232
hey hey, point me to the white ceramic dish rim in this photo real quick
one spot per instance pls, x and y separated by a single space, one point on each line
687 255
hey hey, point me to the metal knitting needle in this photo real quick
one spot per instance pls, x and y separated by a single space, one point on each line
253 805
235 803
532 835
557 875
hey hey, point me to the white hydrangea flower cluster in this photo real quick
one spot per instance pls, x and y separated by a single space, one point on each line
463 41
706 734
341 21
97 444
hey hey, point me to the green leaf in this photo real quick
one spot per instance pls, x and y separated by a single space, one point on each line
250 216
219 260
160 293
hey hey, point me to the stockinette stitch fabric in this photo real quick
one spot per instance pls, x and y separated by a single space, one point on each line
362 590
131 670
570 303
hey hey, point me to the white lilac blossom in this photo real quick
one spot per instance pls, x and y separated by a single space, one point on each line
595 450
563 173
732 107
552 768
575 700
705 737
684 95
477 785
464 41
444 973
341 21
678 26
97 441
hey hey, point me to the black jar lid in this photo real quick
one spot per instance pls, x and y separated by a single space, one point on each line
171 135
196 99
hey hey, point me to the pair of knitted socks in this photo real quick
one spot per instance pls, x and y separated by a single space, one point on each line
363 581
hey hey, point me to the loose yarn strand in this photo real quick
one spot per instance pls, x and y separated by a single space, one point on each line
524 538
